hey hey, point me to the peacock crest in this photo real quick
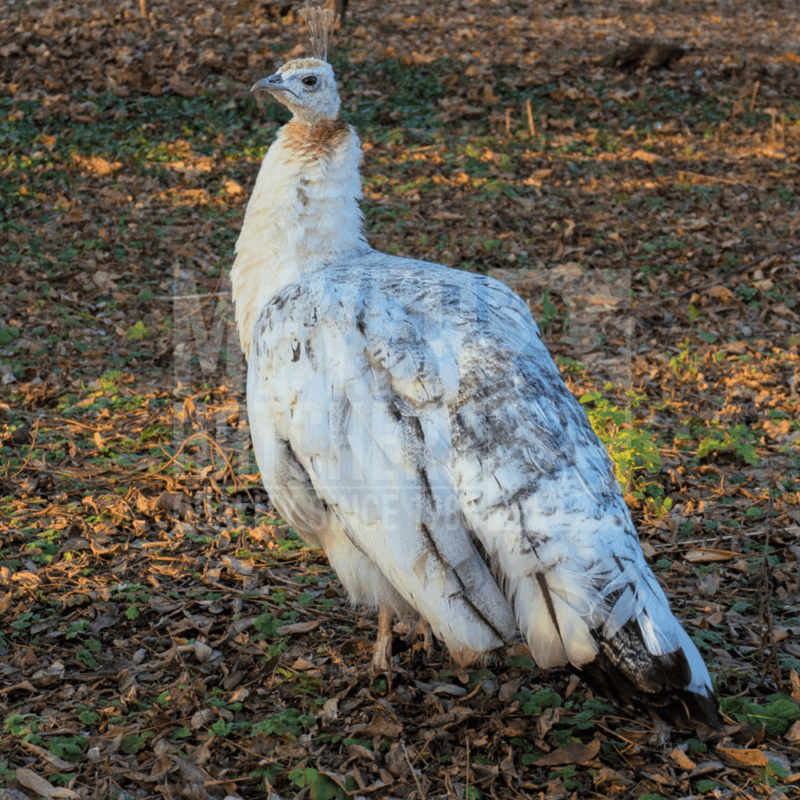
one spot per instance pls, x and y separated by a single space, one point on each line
321 25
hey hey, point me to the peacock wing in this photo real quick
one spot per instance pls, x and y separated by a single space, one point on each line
538 490
357 383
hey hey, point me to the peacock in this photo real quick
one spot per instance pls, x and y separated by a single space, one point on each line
407 418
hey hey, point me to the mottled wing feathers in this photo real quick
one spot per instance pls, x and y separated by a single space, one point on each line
359 391
297 502
416 408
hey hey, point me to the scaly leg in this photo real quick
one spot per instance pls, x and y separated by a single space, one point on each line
381 658
423 629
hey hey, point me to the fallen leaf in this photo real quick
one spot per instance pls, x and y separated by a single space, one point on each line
709 554
31 780
793 734
570 754
681 759
57 762
742 758
381 725
298 627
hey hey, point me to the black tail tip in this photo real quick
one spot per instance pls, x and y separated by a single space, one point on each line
691 710
679 707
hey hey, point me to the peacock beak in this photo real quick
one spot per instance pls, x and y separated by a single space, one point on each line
270 84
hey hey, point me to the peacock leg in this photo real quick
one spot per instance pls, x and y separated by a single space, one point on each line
423 630
381 658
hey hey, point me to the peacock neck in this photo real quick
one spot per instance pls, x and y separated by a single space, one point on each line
303 213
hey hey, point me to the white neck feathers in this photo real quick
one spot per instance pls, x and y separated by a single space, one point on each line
303 213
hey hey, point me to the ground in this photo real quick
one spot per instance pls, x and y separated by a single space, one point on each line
162 632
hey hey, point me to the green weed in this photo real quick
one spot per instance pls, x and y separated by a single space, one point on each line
714 438
138 332
633 450
778 712
684 365
549 312
288 724
533 703
320 786
134 743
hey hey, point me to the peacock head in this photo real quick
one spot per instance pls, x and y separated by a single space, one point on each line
307 87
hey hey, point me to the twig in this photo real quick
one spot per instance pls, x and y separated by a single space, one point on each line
682 174
753 97
414 774
220 451
531 126
466 790
219 282
84 425
508 123
765 599
773 113
740 268
192 296
176 650
702 542
616 734
30 453
734 787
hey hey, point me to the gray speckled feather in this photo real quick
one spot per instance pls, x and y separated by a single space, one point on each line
427 414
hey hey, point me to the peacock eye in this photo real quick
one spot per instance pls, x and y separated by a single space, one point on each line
310 80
